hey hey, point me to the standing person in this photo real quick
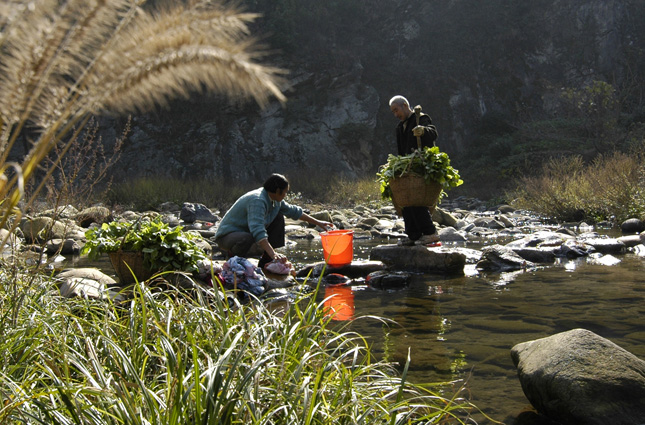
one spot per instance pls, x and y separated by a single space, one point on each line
418 221
256 220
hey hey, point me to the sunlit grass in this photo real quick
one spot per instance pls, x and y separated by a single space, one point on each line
165 358
612 187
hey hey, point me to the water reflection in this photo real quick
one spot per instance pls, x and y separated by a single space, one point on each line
339 301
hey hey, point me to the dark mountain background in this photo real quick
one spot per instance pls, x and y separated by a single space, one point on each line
508 84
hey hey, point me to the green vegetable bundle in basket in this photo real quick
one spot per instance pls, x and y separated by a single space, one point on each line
143 248
418 179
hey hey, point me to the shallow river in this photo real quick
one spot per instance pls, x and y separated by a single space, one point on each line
463 327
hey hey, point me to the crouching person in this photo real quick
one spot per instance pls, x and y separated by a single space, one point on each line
255 223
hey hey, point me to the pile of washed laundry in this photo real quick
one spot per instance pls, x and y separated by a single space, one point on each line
239 273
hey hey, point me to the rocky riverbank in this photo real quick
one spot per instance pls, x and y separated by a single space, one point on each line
507 239
475 238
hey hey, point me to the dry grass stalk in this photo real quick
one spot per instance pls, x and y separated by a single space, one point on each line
62 61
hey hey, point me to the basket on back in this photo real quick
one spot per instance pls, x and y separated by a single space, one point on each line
412 190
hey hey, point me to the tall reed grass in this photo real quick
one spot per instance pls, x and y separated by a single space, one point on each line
63 61
167 358
612 187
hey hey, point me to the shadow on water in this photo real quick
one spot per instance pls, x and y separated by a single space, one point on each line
463 327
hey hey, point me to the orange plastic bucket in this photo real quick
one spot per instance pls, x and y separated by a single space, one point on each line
338 247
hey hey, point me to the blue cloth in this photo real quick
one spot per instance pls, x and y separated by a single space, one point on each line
241 272
253 212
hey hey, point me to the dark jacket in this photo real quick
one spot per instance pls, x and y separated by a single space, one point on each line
406 142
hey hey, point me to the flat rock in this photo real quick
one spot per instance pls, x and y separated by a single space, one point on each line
353 270
420 258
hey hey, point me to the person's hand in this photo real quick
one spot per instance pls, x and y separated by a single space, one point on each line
326 225
280 257
418 131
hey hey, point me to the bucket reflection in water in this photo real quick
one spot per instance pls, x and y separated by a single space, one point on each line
339 302
338 247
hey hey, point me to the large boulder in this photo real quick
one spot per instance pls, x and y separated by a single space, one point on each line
578 377
632 225
419 258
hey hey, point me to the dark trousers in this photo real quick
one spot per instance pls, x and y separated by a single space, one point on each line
418 222
276 232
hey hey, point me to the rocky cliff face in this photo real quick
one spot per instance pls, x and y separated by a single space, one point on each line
460 60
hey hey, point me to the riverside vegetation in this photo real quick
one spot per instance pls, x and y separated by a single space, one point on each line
158 359
162 358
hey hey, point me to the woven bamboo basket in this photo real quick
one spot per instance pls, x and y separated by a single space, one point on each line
134 259
412 190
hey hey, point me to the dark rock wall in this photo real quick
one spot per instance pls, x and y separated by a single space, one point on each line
459 59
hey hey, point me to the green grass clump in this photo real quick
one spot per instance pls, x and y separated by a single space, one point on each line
612 187
164 358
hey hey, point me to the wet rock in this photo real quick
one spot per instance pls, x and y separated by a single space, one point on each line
444 218
388 280
63 247
630 241
488 223
354 269
324 215
464 225
540 239
507 222
501 258
536 255
168 207
84 288
96 214
603 260
639 250
44 228
335 279
450 234
11 240
472 255
191 212
419 258
633 225
63 211
578 377
505 209
566 231
573 249
606 245
87 273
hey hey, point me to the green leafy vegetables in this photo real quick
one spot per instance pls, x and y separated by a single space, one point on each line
428 162
163 248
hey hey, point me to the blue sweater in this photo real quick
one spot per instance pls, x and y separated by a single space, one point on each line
253 212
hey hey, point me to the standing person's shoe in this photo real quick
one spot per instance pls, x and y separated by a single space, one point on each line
405 242
429 240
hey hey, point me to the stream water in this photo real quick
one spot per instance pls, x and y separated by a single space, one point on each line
463 327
